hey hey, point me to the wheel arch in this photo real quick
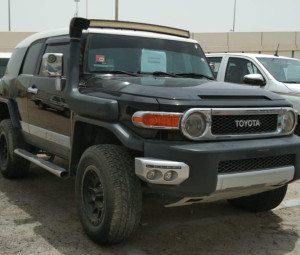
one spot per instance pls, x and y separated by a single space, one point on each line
88 132
8 110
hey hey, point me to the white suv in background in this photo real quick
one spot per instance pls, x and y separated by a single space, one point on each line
277 74
4 57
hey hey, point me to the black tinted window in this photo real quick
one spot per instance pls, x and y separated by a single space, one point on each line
214 63
3 64
237 68
59 48
32 58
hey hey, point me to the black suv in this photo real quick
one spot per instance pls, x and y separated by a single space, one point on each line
135 107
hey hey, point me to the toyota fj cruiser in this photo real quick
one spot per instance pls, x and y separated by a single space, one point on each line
135 107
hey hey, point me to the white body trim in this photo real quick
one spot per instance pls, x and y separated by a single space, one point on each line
46 134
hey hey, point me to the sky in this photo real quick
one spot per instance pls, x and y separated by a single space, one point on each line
192 15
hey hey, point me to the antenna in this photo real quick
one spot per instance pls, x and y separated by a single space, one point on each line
276 52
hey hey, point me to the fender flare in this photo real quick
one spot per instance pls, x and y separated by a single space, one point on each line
13 112
128 138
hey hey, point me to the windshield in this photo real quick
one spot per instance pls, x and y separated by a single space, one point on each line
283 70
140 55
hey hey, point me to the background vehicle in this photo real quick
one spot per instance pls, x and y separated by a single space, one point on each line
277 74
144 113
4 57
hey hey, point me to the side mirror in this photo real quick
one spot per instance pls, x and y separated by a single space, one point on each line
52 64
254 79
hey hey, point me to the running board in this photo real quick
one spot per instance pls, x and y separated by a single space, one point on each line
52 168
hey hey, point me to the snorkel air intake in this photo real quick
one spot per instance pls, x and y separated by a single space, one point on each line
82 104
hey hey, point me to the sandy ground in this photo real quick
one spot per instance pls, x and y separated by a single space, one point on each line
38 216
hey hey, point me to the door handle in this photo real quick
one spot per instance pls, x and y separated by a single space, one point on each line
32 90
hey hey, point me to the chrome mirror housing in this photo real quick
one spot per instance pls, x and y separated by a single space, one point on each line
52 64
254 79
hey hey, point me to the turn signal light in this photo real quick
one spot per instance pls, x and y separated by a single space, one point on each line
156 120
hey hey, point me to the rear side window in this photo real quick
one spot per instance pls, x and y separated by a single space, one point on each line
31 58
214 63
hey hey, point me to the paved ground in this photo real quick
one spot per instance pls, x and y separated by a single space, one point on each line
38 216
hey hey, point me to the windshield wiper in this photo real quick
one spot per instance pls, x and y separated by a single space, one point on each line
194 75
158 73
117 72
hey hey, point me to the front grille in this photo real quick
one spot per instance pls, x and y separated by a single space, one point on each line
246 165
227 124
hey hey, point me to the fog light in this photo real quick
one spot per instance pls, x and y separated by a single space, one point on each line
151 175
168 176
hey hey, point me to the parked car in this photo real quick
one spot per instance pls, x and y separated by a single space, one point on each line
4 57
144 114
277 74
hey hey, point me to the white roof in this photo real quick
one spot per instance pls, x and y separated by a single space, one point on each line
5 54
64 31
30 39
250 55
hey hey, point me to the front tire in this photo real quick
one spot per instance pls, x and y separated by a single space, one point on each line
108 194
260 202
11 165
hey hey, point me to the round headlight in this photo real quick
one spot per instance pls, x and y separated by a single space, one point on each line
193 125
289 120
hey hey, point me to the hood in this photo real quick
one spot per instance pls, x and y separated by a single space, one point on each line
173 88
293 87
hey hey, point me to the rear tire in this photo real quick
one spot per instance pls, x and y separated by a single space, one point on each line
11 165
41 106
108 194
260 202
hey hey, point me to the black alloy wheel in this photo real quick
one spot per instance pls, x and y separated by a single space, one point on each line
93 196
108 194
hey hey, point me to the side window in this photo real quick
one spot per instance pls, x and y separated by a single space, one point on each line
237 68
58 48
31 58
252 68
3 64
214 63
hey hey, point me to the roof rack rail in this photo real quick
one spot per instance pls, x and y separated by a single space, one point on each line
78 24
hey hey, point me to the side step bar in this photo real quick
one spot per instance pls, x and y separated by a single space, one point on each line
52 168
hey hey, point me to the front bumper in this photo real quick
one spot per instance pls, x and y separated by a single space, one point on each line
202 159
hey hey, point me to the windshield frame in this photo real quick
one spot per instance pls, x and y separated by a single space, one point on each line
186 43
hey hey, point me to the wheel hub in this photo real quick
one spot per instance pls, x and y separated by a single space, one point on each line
93 197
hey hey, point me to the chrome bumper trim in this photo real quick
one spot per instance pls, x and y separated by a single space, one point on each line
243 184
144 165
262 177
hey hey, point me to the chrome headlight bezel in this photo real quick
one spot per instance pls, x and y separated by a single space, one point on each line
204 117
289 121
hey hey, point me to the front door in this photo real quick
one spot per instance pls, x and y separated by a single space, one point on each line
48 113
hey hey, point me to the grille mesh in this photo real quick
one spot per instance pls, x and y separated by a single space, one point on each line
226 124
246 165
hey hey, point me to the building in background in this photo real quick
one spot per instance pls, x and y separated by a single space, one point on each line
288 43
